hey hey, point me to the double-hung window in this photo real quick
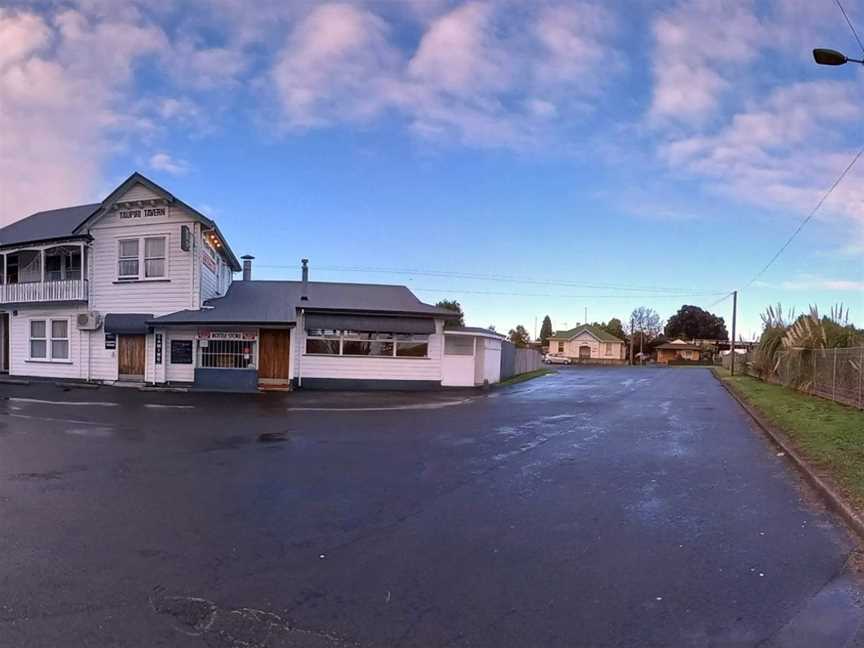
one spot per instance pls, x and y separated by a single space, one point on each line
147 254
127 266
49 339
154 257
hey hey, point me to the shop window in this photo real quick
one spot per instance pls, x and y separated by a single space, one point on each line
226 354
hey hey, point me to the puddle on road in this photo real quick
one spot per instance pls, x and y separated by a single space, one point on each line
238 627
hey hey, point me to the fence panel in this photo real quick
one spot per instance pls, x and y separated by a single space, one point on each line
835 374
528 360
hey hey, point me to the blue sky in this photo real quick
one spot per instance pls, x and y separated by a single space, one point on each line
525 159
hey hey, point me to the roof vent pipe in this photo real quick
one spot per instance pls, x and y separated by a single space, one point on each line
304 291
247 267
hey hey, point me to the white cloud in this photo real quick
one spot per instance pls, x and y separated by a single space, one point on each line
783 151
59 105
699 47
336 65
465 80
165 162
821 284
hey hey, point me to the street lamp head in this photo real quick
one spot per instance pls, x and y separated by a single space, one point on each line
829 57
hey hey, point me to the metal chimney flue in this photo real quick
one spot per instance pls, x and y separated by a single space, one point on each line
304 290
247 267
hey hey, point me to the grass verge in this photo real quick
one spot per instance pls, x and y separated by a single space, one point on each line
828 435
528 375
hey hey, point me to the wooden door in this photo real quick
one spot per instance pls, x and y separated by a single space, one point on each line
130 357
273 355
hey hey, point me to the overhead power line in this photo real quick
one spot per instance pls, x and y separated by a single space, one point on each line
559 296
804 222
851 26
646 290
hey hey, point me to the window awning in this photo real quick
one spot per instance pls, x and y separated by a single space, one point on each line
127 323
370 323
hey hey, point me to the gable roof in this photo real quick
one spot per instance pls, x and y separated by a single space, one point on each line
69 222
596 331
47 225
137 178
276 302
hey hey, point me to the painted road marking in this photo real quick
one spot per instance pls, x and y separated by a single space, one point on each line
55 420
163 406
37 401
424 406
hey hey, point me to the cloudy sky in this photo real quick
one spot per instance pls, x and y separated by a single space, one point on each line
524 158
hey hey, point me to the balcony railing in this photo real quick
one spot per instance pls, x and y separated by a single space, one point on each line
48 291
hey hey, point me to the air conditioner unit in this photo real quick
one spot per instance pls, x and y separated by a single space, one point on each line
89 321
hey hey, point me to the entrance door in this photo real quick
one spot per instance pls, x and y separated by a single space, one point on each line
584 353
130 357
273 355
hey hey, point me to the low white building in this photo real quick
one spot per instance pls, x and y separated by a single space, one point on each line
138 288
472 357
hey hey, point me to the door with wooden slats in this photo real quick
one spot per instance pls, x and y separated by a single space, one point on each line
273 355
130 357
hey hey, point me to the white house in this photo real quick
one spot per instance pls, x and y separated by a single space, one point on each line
138 288
589 345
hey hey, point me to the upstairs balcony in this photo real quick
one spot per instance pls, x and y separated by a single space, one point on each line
48 274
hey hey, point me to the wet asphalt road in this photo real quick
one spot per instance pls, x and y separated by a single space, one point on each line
596 507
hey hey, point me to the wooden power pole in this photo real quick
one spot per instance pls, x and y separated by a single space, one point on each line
632 340
734 315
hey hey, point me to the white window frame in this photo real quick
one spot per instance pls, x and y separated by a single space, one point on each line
142 257
343 336
49 339
163 258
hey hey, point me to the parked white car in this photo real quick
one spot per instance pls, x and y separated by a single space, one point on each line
553 359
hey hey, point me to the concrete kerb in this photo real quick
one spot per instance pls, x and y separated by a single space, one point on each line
832 498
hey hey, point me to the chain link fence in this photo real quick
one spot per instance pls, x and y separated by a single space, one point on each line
835 374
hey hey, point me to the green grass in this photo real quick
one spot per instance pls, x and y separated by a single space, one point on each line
828 435
518 378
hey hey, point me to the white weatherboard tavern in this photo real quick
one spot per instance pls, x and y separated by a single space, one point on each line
140 288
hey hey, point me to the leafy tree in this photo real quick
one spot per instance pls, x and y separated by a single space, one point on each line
491 327
646 321
519 336
546 329
692 322
614 327
453 305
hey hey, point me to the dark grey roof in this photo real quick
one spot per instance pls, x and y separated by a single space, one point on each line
276 302
473 329
47 225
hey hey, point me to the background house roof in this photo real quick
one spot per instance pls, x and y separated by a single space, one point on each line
276 302
679 346
47 225
596 331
